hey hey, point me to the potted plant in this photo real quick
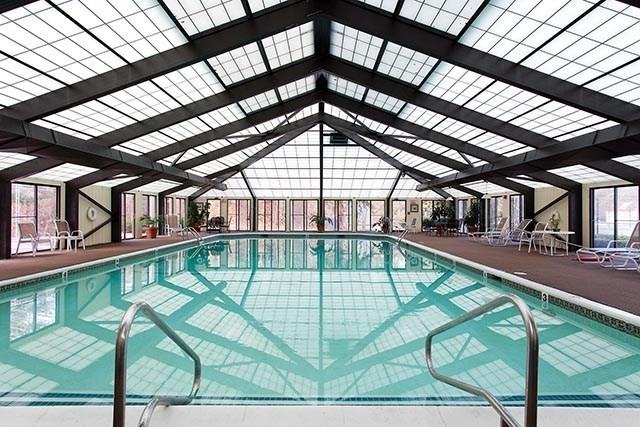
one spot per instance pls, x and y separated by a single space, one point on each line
385 223
442 213
320 221
151 224
196 216
472 217
554 221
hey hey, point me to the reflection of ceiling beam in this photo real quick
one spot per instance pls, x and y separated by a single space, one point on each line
440 46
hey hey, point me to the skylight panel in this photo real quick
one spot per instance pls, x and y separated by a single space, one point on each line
583 174
406 189
449 16
258 5
388 5
354 46
140 101
485 187
289 46
420 116
44 38
239 64
236 188
64 172
623 83
157 186
633 160
345 87
134 29
117 180
186 192
605 39
337 112
523 179
505 102
383 101
260 101
198 16
19 82
298 87
209 168
455 84
305 112
372 124
191 83
512 30
8 160
92 118
222 116
405 64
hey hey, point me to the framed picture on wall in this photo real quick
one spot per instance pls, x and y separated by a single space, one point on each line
413 207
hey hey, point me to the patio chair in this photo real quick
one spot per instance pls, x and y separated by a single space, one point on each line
29 234
626 260
502 227
533 237
64 233
512 237
172 225
602 255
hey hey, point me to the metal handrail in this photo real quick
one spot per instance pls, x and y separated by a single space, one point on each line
531 390
120 374
404 233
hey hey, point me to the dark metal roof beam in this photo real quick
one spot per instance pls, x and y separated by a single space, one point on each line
440 46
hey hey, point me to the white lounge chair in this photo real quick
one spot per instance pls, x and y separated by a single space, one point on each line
512 237
173 226
602 256
64 233
534 237
29 234
499 232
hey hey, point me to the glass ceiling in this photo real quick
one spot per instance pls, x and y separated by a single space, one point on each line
47 45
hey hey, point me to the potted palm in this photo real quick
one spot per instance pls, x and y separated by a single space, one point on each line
320 221
151 224
196 216
385 223
554 221
472 217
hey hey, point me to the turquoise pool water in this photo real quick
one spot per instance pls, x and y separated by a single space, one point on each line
298 321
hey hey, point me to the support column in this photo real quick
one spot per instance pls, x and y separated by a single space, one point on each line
5 219
575 215
483 214
116 216
321 202
72 206
161 212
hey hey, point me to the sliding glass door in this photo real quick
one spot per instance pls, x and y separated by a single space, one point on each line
33 203
614 212
301 213
368 212
128 213
272 215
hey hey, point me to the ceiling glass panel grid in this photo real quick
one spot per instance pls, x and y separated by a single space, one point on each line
289 46
405 64
198 16
19 82
227 161
605 39
258 5
583 174
134 29
633 160
406 189
185 192
8 160
623 83
412 160
525 180
354 46
383 101
259 101
305 112
157 186
337 112
64 172
297 88
485 187
190 83
514 29
117 180
346 87
388 5
236 188
239 64
449 16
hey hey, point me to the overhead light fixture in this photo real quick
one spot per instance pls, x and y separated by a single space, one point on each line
486 192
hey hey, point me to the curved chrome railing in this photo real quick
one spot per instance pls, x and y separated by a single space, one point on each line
531 390
120 375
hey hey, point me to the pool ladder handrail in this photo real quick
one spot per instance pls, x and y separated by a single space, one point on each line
191 230
404 233
120 372
531 390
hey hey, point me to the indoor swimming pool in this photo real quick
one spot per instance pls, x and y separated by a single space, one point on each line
299 321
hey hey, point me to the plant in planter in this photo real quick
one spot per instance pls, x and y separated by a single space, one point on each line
442 214
472 217
554 221
385 223
151 224
197 216
427 223
320 221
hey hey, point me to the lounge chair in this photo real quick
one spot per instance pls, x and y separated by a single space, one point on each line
626 260
64 233
512 237
602 256
498 232
534 236
173 226
29 234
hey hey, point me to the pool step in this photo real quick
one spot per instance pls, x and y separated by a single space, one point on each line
313 416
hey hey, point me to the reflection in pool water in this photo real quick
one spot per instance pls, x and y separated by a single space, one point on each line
298 320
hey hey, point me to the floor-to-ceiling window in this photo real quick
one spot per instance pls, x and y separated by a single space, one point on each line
614 212
368 212
33 312
340 213
35 203
272 215
239 213
496 210
149 204
180 209
301 213
427 210
516 209
128 213
168 206
399 214
461 210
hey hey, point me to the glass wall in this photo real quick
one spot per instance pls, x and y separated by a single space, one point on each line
168 206
340 213
149 204
34 203
368 212
516 209
239 213
427 210
301 213
496 210
214 208
399 214
128 214
272 215
462 207
180 209
614 212
32 313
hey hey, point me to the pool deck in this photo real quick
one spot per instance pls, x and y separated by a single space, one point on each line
619 289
